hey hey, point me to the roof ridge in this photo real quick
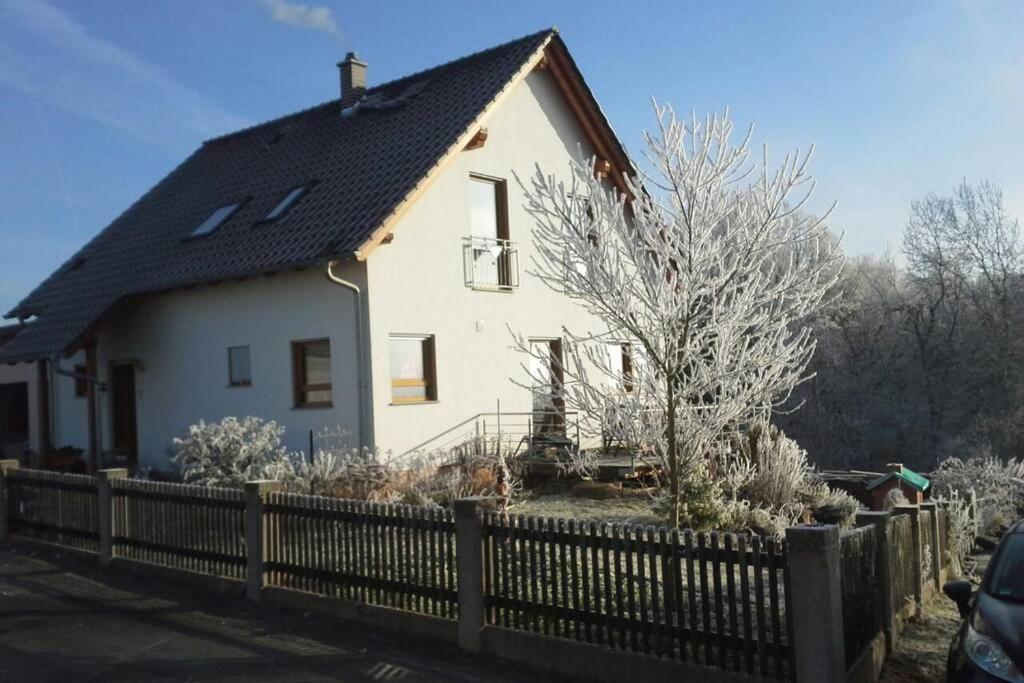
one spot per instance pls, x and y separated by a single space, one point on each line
387 84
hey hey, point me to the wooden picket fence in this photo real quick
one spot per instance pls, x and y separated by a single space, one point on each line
861 594
715 599
195 528
393 555
927 541
662 597
903 575
53 507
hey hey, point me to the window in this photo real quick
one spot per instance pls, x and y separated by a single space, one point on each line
490 257
620 362
215 220
1006 580
413 376
239 367
81 386
488 215
311 373
287 202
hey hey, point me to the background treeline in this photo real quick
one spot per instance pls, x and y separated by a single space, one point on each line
921 357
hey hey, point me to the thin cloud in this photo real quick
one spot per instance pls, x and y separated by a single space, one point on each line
316 17
52 56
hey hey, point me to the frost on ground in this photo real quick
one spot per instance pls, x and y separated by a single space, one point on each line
632 510
921 649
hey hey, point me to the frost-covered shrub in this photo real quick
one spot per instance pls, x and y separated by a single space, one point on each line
780 474
324 475
998 485
837 507
893 498
768 483
231 452
962 532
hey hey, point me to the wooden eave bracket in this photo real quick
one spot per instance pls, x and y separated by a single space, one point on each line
478 140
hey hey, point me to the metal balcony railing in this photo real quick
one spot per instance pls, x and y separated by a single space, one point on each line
490 264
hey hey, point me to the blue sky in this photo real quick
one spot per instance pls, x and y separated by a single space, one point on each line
100 99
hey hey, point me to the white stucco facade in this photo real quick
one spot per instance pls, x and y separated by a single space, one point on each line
178 341
417 286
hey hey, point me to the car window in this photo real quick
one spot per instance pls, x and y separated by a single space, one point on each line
1007 579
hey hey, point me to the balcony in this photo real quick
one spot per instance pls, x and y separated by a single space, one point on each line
490 264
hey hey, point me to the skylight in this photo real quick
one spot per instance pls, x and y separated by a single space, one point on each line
286 203
215 220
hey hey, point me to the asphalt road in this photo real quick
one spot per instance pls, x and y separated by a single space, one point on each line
65 619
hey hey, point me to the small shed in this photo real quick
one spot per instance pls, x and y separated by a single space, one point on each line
912 484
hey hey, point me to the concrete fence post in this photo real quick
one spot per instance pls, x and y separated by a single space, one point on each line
936 549
470 564
914 512
256 535
883 572
814 566
105 510
5 467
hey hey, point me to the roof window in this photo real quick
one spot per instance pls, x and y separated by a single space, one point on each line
215 220
287 202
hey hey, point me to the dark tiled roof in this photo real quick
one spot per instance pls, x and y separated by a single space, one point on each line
7 333
363 165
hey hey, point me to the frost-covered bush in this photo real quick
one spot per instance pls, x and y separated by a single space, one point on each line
998 485
767 484
962 532
231 452
780 474
322 476
837 507
893 498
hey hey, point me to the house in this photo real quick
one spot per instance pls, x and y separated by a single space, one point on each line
356 265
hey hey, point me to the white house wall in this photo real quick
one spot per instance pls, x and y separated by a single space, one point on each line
180 340
69 418
416 283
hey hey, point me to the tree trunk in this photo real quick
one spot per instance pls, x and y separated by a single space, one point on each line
673 455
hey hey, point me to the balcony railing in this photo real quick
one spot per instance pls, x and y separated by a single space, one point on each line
490 264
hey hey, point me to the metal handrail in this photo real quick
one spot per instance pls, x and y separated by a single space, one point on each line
475 420
505 263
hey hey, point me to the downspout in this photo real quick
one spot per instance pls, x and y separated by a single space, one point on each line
362 382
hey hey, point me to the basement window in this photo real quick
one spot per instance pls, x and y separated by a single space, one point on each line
215 220
287 202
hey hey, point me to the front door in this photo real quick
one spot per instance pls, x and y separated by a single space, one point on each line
122 408
548 403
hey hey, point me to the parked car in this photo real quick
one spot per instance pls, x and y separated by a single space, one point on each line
989 645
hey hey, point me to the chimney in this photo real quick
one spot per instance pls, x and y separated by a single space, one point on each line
353 79
896 467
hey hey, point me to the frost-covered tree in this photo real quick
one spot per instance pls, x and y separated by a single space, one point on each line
924 360
708 273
